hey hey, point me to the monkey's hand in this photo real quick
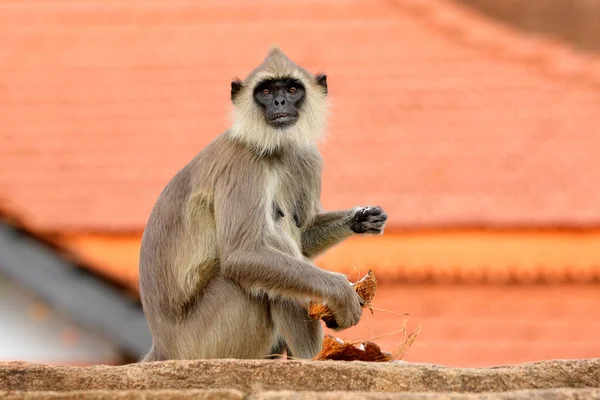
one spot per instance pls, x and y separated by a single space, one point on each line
368 220
346 305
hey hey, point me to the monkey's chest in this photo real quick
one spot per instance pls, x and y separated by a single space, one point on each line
288 215
293 196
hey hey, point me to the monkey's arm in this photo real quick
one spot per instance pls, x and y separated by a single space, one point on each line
248 246
327 230
330 228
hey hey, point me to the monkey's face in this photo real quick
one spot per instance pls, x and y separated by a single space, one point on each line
278 106
280 100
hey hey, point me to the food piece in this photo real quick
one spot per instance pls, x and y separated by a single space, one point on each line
336 349
365 288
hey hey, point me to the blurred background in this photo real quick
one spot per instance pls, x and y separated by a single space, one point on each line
474 123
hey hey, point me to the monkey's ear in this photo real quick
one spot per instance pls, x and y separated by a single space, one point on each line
322 81
236 86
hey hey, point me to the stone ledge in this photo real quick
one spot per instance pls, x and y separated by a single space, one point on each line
238 378
546 394
224 394
166 394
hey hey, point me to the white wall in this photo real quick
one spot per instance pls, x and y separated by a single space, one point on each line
31 331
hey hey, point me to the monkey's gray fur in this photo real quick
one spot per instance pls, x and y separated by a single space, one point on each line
225 263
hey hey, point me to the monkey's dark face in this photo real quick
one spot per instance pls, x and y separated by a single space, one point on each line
281 101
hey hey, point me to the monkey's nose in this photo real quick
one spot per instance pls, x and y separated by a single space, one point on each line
279 101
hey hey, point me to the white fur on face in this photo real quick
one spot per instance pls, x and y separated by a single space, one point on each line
249 125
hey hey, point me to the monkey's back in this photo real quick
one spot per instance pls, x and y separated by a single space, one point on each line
179 253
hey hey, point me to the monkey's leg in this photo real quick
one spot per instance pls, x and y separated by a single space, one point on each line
226 322
302 335
278 349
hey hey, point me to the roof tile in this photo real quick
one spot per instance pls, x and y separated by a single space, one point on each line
473 123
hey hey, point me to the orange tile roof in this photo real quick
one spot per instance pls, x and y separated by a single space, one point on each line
472 256
440 116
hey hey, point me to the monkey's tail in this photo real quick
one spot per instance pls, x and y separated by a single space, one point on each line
150 356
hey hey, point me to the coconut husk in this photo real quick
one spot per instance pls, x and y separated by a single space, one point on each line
338 350
365 288
408 341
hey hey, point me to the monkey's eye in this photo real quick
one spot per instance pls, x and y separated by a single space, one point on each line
266 92
292 89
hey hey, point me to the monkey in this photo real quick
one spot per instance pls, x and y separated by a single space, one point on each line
227 255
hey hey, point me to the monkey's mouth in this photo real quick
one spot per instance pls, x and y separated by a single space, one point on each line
281 120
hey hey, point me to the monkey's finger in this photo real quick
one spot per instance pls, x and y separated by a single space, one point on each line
368 225
372 210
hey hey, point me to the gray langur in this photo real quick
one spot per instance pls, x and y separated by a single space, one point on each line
225 262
